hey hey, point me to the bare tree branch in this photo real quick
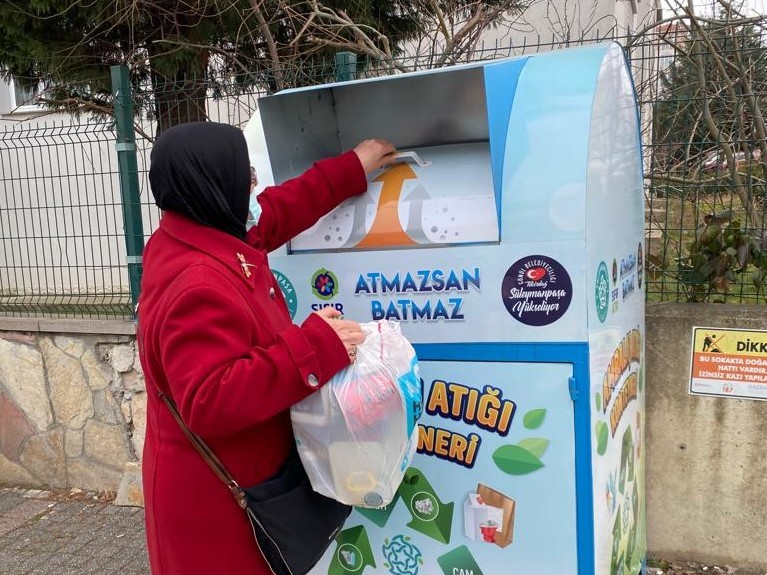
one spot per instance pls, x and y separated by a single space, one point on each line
752 215
266 33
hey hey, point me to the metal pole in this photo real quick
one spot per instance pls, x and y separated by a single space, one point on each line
346 66
129 186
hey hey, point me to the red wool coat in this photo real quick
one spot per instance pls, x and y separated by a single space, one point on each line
222 345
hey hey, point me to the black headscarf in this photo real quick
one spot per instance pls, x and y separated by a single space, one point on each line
201 170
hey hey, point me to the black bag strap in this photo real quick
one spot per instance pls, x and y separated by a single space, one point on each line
207 454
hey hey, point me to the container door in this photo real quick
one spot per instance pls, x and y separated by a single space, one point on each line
492 488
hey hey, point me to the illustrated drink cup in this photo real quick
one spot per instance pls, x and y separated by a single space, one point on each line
488 530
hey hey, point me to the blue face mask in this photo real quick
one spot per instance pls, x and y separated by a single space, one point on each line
254 212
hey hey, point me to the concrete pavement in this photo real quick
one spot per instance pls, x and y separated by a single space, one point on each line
45 534
41 534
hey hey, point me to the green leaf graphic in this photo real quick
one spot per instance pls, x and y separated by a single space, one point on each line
598 399
601 432
534 418
516 460
535 445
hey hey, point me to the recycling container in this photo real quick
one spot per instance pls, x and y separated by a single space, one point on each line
508 241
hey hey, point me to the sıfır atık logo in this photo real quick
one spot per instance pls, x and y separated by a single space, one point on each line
324 284
536 290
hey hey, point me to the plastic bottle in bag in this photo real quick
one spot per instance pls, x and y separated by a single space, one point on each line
357 435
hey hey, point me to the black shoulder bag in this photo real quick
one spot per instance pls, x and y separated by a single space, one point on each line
293 524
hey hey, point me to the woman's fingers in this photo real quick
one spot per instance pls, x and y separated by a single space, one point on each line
349 332
328 312
375 153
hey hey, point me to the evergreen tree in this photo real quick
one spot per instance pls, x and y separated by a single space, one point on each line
177 51
682 133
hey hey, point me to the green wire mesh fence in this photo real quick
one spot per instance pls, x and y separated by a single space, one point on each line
62 248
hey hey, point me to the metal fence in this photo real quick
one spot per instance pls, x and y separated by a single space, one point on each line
703 94
62 246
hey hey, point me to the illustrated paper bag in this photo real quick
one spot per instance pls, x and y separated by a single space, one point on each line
477 516
505 534
489 516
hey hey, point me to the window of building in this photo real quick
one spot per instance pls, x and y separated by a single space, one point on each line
23 96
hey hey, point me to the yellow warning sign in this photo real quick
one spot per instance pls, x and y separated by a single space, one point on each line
729 362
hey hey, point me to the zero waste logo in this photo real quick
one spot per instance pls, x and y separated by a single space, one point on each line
324 284
602 292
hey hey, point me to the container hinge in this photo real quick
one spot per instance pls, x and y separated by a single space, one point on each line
573 385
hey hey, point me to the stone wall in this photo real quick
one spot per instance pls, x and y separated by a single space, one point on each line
72 409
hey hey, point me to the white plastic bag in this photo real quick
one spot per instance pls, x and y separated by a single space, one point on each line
357 435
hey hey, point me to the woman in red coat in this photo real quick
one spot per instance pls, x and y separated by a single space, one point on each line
215 335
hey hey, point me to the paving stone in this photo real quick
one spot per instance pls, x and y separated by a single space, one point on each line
49 537
85 537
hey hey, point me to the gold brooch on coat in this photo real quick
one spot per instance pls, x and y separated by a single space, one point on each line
244 265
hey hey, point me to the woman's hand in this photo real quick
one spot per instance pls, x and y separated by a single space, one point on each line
349 332
374 154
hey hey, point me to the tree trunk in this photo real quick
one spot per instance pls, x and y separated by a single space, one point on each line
179 75
180 101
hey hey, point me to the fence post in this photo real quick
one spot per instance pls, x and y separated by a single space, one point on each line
129 187
346 66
